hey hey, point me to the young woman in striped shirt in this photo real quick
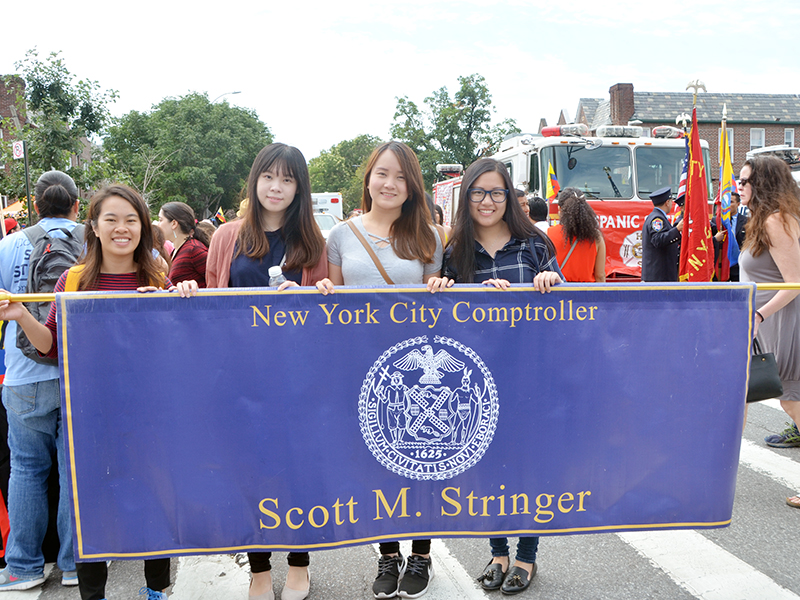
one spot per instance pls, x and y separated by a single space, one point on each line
119 245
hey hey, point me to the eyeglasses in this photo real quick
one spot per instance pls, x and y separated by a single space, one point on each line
477 195
743 181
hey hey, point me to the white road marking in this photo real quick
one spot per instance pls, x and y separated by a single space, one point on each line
704 569
460 584
762 460
209 578
774 403
450 580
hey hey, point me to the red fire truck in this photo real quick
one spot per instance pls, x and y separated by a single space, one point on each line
616 170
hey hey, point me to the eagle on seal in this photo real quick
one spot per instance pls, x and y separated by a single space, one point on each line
430 364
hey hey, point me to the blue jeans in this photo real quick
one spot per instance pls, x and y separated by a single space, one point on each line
526 548
34 435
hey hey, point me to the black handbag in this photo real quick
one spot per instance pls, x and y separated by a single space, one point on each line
764 382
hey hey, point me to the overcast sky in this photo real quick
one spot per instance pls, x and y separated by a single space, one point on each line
318 73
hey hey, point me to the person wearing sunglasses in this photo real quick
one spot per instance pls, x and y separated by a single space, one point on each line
771 254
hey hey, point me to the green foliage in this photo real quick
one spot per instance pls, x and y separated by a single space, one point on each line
82 106
341 169
187 150
61 117
452 130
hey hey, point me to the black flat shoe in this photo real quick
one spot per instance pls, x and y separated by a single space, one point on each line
492 577
517 581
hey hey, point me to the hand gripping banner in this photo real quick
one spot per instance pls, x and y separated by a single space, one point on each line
256 420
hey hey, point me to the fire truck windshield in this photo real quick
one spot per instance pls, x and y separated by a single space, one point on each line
658 168
604 172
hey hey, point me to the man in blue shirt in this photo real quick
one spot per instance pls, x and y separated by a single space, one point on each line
32 399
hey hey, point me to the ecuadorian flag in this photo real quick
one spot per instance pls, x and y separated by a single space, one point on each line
219 216
727 186
552 183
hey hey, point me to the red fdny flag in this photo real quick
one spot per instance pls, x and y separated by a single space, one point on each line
697 250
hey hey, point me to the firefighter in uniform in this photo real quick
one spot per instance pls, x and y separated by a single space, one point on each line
661 246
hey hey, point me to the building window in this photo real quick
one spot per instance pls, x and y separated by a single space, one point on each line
788 137
756 138
730 141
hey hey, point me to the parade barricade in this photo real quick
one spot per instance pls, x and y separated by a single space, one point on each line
256 420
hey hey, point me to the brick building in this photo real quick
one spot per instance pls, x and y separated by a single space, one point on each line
10 107
754 120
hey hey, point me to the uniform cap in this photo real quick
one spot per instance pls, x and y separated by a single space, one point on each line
660 196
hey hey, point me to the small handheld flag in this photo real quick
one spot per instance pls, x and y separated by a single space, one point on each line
552 183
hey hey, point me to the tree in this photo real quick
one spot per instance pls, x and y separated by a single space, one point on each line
187 150
341 169
62 116
452 130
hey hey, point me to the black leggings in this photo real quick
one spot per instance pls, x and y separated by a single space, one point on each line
259 561
92 577
417 547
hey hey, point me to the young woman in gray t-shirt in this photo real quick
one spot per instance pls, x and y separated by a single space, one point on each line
397 225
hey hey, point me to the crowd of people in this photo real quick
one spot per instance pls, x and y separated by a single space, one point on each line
499 237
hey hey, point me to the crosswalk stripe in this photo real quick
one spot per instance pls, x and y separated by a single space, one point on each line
780 468
460 584
704 569
209 578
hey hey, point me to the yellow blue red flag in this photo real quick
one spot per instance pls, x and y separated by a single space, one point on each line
219 216
552 183
727 186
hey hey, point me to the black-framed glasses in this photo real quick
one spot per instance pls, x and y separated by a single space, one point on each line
743 181
477 195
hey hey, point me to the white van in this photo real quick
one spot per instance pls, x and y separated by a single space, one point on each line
328 203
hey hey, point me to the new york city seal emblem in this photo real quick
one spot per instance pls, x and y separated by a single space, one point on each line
428 411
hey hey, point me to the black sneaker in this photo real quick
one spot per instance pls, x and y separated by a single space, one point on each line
419 572
390 568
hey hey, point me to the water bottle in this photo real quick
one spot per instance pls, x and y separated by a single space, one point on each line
276 276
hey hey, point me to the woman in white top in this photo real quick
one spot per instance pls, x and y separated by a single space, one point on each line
396 225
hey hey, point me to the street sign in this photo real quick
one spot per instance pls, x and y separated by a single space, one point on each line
18 148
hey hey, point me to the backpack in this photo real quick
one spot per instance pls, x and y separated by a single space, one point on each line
51 256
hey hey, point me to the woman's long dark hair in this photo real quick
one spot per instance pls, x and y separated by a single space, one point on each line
577 218
147 270
462 240
773 190
412 235
304 241
184 215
